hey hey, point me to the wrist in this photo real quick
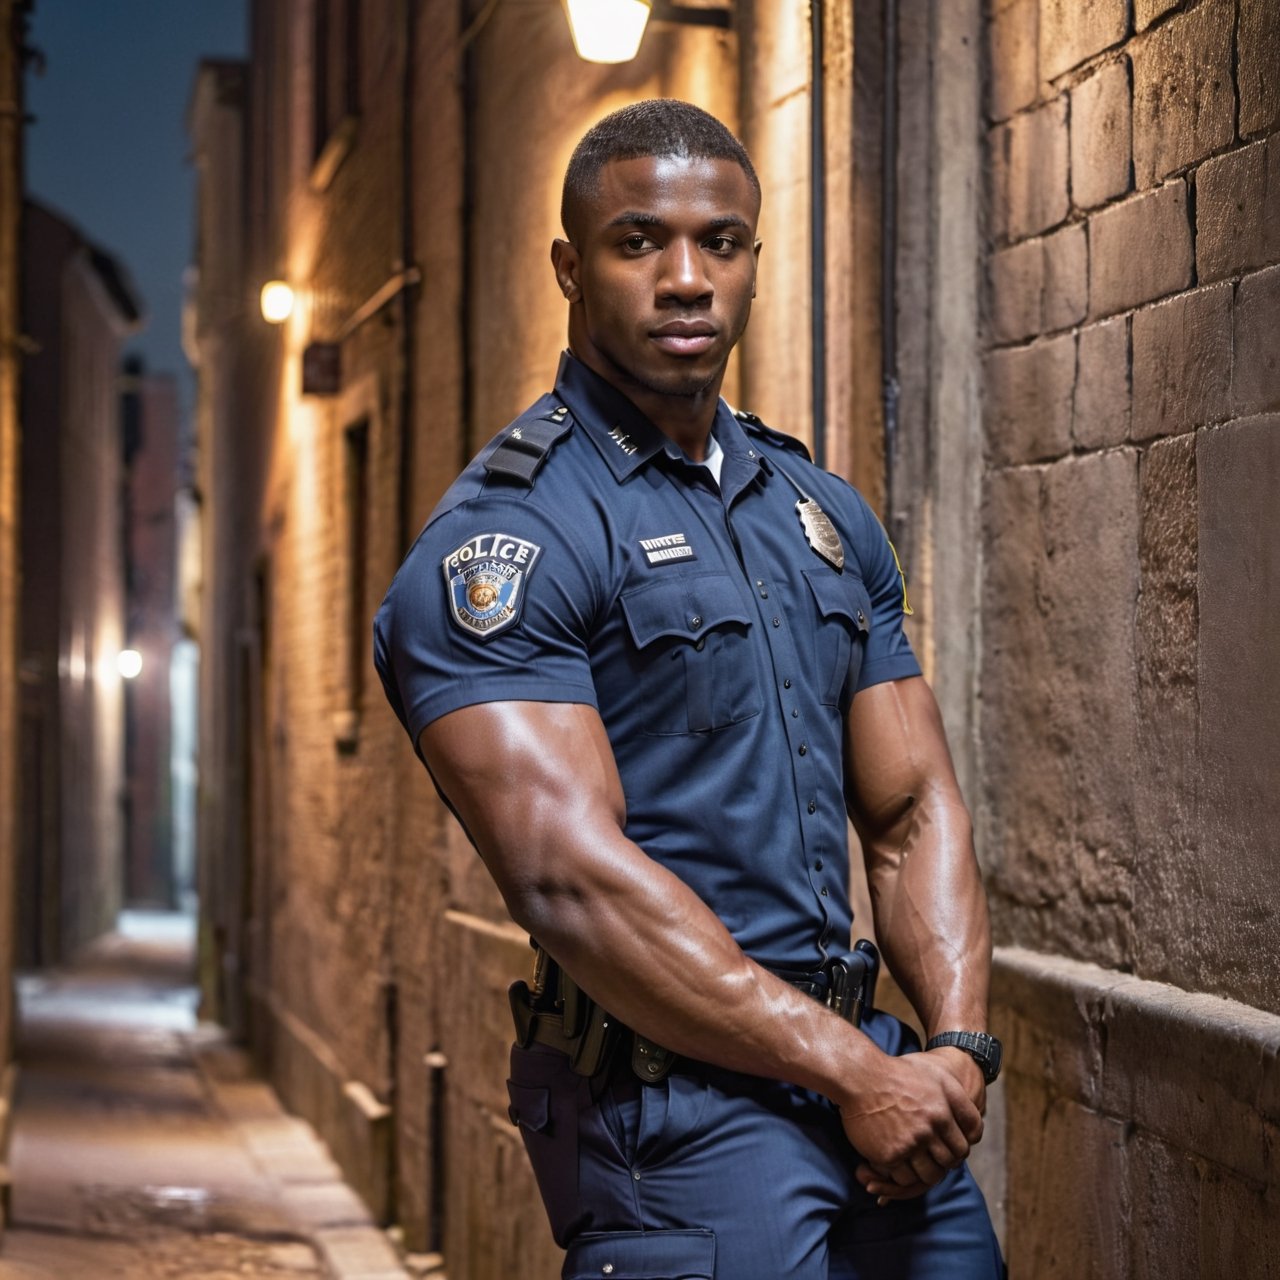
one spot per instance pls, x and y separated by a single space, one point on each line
982 1048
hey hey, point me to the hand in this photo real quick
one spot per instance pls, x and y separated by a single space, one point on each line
966 1071
912 1126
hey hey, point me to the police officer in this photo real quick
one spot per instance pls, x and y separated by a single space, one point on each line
652 656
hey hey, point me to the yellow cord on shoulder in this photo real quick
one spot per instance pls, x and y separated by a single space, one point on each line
902 577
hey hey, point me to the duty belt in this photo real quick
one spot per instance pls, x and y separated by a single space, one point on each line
556 1012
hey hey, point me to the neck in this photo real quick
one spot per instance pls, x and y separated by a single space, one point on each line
684 419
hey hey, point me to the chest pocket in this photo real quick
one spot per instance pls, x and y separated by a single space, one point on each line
844 610
693 658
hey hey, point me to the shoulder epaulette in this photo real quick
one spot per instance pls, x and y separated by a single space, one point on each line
526 445
753 426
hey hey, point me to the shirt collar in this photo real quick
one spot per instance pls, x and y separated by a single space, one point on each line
627 439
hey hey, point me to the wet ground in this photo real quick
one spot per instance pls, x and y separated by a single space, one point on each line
145 1148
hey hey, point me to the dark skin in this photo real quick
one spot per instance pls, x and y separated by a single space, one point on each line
660 281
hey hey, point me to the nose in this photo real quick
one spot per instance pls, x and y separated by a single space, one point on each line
684 278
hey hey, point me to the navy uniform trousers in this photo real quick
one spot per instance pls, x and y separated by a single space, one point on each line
716 1175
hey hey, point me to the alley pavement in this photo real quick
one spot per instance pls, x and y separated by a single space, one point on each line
145 1148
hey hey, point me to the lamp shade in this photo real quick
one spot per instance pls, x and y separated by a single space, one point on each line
607 30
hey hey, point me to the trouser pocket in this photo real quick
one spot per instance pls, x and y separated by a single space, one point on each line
642 1255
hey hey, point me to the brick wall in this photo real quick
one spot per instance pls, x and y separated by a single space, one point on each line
1130 529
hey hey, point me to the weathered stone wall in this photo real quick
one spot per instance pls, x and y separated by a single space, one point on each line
1128 743
10 217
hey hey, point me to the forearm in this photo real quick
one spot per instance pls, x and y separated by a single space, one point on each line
931 911
633 935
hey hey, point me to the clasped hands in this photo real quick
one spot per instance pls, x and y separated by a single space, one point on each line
916 1123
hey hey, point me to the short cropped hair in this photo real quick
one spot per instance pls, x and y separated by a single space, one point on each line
654 127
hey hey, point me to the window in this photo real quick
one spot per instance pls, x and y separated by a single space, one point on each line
335 97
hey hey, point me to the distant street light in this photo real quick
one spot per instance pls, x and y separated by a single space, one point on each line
129 663
277 302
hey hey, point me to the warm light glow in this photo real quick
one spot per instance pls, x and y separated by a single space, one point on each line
607 30
129 663
277 302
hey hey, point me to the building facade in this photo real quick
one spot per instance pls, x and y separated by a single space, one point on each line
12 33
77 308
1018 271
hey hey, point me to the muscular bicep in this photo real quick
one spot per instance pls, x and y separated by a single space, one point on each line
534 783
896 757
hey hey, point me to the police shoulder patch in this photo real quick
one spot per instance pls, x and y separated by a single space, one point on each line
485 578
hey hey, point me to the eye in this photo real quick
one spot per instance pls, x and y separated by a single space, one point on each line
636 243
722 244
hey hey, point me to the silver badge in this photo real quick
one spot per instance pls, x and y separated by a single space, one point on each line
820 533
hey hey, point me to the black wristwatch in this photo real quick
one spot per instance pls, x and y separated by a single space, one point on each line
985 1050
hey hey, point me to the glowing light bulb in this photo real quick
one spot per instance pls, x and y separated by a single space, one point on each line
277 301
129 663
607 30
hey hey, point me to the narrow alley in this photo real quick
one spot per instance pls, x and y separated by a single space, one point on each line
145 1148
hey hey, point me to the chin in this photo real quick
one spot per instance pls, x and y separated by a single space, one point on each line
678 381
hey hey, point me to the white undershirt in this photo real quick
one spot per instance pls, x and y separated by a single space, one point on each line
714 459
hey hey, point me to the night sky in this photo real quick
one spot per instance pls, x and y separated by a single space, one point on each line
108 146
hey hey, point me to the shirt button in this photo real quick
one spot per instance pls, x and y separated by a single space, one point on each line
823 891
803 750
813 808
794 713
777 622
696 621
786 684
817 866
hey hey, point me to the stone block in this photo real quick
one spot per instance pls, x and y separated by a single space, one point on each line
1183 93
1090 532
1066 278
1073 30
1238 211
1256 374
1026 788
1081 1172
1238 475
1167 639
1139 250
1258 42
1182 362
1100 416
1164 1189
1029 391
1011 47
1239 1227
1101 136
1145 12
1040 285
1187 1067
1029 172
1017 289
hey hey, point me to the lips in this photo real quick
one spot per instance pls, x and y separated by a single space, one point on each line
684 337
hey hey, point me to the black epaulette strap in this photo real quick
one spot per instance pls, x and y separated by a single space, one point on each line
753 426
525 447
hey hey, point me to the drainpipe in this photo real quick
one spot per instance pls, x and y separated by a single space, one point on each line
818 234
889 261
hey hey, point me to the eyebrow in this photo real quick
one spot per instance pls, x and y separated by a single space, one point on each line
634 218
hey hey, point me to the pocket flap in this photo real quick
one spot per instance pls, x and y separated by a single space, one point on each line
841 594
685 608
530 1106
641 1255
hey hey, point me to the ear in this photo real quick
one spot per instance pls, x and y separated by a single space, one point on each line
755 264
567 264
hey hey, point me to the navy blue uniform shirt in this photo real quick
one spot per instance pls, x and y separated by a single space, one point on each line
719 648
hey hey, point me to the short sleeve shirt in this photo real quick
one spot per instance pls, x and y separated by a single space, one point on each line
720 648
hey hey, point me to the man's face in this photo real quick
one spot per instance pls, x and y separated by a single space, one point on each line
662 273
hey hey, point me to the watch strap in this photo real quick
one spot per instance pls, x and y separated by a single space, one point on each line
982 1047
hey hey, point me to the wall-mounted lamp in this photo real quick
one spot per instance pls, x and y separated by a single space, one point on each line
276 301
129 663
610 31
